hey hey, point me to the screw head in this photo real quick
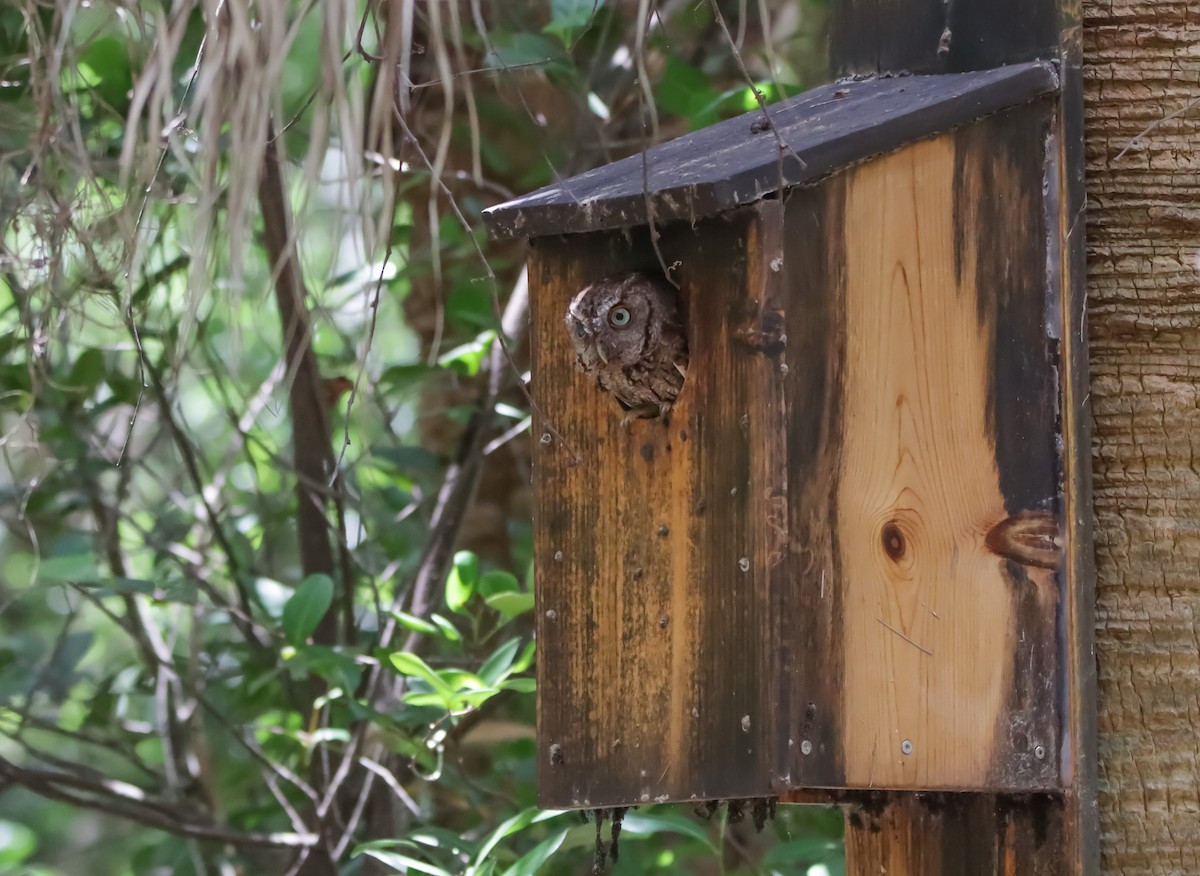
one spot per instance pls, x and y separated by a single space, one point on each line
1039 751
558 556
546 438
906 746
744 564
806 747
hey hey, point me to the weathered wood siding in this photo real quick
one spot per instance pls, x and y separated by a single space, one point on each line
837 565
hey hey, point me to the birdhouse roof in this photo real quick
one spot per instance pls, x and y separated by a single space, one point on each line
741 160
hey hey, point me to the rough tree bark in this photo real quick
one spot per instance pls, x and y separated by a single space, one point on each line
1142 69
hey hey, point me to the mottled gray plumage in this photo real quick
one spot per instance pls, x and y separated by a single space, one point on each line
628 333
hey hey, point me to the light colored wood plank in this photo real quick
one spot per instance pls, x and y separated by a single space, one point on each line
929 621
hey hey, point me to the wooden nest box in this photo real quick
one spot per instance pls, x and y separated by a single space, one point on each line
840 561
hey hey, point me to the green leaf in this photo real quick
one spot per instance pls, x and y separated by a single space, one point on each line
60 672
462 580
448 630
422 698
568 17
306 607
804 850
340 669
468 358
497 667
507 828
406 459
511 604
477 698
521 50
520 685
414 623
86 374
17 842
492 583
126 587
471 306
405 377
410 664
405 864
104 66
529 864
75 567
526 659
684 90
639 824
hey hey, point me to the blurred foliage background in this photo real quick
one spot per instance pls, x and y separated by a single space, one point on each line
265 586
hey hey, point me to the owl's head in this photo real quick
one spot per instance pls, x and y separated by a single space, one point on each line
616 320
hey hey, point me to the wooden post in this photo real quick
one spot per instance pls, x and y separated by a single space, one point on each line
976 833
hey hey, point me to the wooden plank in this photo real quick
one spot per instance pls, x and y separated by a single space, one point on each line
1078 653
924 418
811 576
933 36
810 613
905 834
739 161
653 675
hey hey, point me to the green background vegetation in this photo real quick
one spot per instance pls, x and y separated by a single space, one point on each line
159 634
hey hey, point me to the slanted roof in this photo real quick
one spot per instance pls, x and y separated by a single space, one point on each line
740 160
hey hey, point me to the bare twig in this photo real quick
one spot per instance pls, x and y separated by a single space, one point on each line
136 804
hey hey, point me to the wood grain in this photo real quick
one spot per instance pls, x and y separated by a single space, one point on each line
839 564
652 561
903 834
928 607
871 36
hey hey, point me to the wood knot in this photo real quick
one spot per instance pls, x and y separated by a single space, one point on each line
766 332
894 543
1031 538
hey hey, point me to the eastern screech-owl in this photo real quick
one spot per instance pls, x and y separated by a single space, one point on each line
628 333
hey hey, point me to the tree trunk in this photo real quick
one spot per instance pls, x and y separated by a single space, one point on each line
1142 68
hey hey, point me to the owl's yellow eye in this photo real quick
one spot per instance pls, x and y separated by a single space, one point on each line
618 317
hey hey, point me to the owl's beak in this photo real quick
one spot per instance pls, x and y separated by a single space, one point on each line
602 353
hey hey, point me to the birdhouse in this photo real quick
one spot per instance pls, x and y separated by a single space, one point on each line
835 558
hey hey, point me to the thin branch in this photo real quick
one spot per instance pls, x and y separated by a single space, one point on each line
191 465
455 496
312 452
135 804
